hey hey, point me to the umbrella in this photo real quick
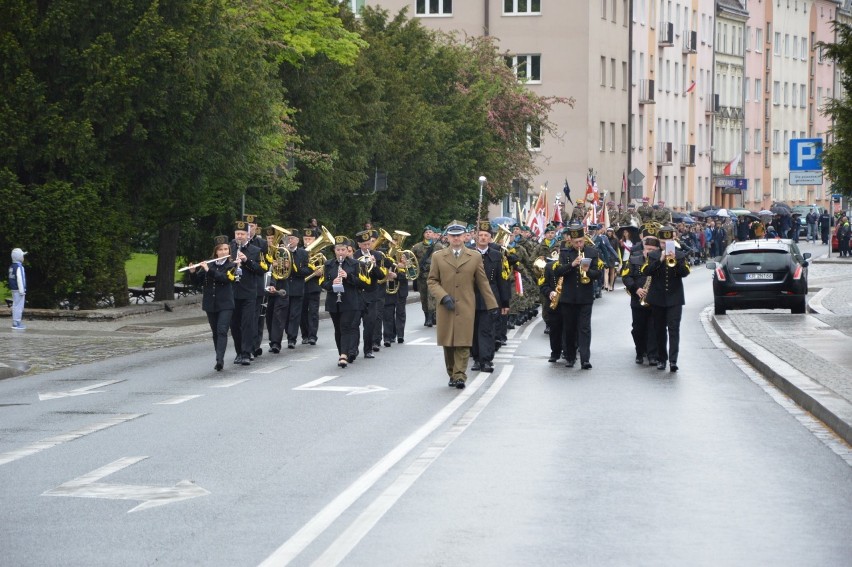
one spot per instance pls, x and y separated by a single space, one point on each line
682 217
780 209
709 208
764 213
632 230
503 220
749 216
722 213
698 214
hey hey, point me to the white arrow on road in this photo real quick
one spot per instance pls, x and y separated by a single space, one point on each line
315 386
86 486
93 389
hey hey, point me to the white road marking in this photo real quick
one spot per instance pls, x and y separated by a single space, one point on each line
77 391
177 400
528 331
86 486
229 383
290 549
422 341
270 370
365 522
49 442
317 385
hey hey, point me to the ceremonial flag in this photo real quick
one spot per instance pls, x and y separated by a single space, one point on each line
538 218
519 283
557 213
731 168
592 195
690 88
624 185
603 218
654 191
567 191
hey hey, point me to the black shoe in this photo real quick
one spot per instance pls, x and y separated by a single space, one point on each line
451 383
661 366
258 351
400 340
652 361
291 344
312 342
640 359
460 384
352 356
275 349
304 341
570 363
487 367
387 343
369 354
238 359
673 367
376 348
428 322
476 366
246 360
553 358
586 365
218 366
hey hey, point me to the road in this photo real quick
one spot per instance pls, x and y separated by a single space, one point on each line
154 458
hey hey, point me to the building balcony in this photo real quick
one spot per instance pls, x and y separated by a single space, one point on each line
690 41
664 153
665 35
646 91
687 155
712 104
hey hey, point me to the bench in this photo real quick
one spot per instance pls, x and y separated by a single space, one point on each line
141 294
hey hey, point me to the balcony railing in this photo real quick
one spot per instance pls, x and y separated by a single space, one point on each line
687 155
690 41
646 91
664 153
665 35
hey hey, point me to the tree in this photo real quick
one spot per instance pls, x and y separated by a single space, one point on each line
837 155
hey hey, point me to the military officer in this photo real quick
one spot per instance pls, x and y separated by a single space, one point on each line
646 213
485 321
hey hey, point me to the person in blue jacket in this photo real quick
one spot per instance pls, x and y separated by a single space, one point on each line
18 287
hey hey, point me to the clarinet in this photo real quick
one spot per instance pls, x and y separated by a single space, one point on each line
340 269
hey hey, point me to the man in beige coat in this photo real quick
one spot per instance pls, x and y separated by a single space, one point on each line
455 272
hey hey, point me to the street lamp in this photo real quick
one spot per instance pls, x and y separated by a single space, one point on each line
482 181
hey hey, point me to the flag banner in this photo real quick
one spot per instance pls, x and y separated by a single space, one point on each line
557 213
567 191
519 284
538 218
592 194
690 88
731 168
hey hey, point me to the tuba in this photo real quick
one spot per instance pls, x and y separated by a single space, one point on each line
283 260
400 256
540 263
316 257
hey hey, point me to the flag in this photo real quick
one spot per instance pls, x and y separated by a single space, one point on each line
537 218
567 191
592 195
731 168
557 213
624 184
690 88
603 218
519 284
654 191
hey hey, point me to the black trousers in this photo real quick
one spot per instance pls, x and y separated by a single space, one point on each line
393 318
557 332
644 336
346 331
369 316
484 332
280 318
310 316
667 323
244 325
220 321
294 317
258 337
270 312
502 327
577 322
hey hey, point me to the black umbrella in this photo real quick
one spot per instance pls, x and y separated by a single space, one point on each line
632 230
709 208
698 215
751 216
780 209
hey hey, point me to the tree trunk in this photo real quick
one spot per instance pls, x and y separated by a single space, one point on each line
166 256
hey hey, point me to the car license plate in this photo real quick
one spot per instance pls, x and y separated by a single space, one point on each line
760 276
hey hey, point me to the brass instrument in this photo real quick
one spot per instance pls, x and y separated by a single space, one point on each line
584 277
642 302
317 259
400 256
540 263
503 236
282 262
671 262
366 265
384 236
554 303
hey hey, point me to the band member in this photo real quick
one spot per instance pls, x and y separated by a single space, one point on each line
396 294
342 278
270 257
579 266
637 285
423 251
296 289
218 299
309 324
373 266
550 290
667 268
454 275
278 290
485 321
245 317
257 240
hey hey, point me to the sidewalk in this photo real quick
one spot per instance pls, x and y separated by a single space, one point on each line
807 357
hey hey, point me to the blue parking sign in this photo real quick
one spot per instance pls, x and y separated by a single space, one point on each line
806 154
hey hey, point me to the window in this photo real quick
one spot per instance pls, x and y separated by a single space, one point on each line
786 93
534 137
757 92
602 136
786 145
758 143
819 96
624 75
603 9
434 8
786 45
603 71
612 73
776 141
803 46
776 92
748 38
776 48
802 99
612 136
521 6
356 5
624 138
746 141
612 16
641 131
528 67
758 40
747 90
795 95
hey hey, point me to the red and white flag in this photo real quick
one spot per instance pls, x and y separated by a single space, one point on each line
557 213
731 168
690 88
624 184
537 218
592 194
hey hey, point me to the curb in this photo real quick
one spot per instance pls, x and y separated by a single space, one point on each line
110 314
822 403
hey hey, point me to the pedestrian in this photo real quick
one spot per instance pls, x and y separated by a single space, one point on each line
18 287
843 234
811 221
218 294
456 272
667 267
824 226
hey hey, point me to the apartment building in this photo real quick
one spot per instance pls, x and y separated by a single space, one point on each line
701 97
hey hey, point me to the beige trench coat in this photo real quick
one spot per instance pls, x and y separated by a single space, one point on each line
457 277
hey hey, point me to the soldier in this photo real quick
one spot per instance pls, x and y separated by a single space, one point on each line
579 266
578 214
646 213
661 214
485 320
423 251
630 217
667 268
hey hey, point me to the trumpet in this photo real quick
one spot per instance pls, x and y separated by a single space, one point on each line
671 262
584 276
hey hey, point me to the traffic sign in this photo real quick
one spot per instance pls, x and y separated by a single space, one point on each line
635 177
806 177
806 154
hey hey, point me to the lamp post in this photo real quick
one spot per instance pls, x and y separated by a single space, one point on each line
482 181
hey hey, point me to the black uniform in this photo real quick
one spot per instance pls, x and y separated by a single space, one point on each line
217 302
485 321
575 302
310 310
344 308
370 301
667 298
393 319
644 336
299 270
244 322
263 246
280 314
552 317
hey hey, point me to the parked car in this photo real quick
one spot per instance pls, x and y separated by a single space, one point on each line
761 274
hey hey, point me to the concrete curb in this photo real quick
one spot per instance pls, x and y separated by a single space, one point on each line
109 314
824 404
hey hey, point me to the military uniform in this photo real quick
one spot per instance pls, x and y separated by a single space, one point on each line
371 297
646 213
423 251
667 298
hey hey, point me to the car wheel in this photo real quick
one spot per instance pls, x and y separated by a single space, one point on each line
719 309
800 307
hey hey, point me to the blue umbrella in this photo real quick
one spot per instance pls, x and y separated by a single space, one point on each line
503 220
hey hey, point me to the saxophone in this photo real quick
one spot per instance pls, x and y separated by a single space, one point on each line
554 303
642 302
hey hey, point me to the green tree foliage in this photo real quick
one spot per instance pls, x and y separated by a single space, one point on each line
431 111
837 156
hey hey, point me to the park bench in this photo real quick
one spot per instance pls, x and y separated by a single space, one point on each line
141 294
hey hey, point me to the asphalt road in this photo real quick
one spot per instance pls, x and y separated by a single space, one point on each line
154 458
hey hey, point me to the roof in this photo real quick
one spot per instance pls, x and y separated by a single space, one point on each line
734 7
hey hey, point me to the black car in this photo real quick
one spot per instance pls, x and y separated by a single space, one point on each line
761 274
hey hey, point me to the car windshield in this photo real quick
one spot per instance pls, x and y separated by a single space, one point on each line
766 259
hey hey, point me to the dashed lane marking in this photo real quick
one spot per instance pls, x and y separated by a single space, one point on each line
177 400
229 383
